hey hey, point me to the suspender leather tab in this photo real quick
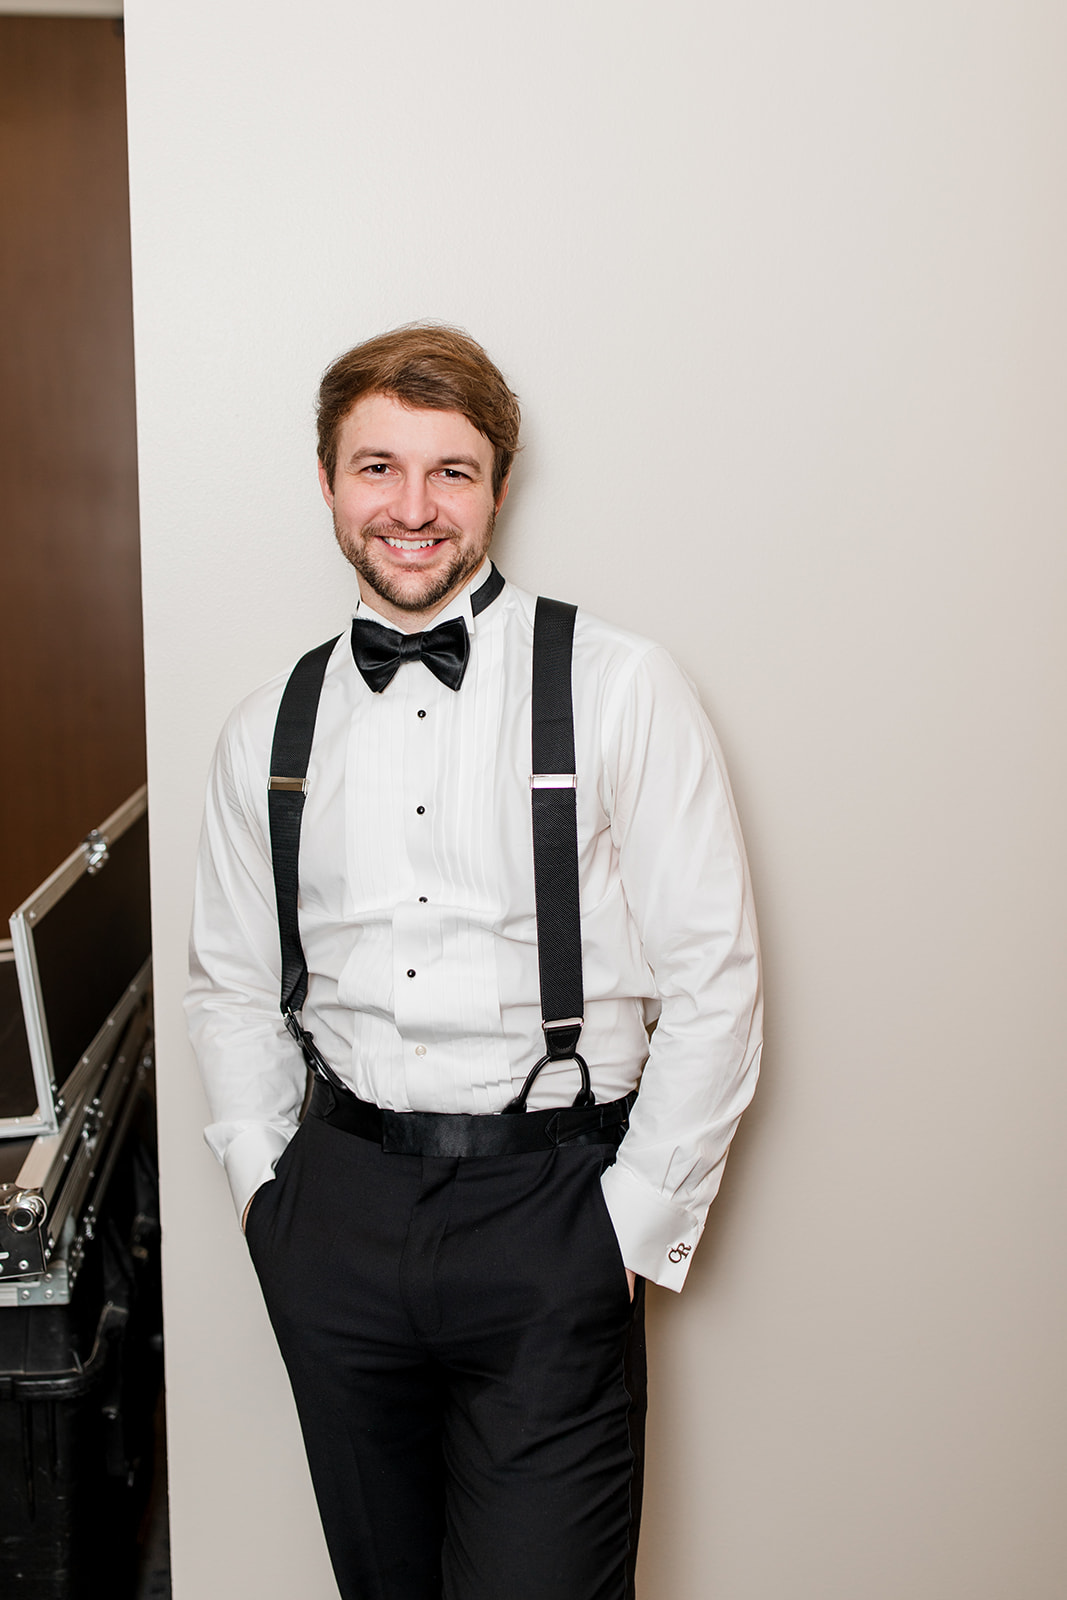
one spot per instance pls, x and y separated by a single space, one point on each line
562 1037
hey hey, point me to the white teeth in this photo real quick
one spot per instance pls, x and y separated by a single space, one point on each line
411 544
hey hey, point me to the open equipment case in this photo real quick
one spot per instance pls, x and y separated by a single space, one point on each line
80 1317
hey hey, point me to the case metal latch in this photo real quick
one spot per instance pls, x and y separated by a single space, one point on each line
24 1209
96 853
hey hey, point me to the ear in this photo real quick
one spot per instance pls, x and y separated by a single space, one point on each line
324 485
502 496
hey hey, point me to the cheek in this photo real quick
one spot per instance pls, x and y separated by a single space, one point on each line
354 507
476 514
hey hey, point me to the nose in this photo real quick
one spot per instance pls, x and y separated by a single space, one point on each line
413 506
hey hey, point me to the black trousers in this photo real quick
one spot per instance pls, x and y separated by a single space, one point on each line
467 1366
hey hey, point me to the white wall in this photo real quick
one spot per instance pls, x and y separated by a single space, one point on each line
781 288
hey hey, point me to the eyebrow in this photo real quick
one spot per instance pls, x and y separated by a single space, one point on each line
368 454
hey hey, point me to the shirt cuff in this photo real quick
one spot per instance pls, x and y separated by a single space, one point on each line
250 1160
656 1237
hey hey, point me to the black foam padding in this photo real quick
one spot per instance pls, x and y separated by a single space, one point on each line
91 945
18 1096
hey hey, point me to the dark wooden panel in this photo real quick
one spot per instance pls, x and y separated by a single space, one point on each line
70 643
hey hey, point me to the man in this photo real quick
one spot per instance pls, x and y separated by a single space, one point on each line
451 1241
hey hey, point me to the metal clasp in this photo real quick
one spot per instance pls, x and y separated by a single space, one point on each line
25 1210
96 852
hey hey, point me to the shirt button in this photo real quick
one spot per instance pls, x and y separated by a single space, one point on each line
420 1049
422 900
420 811
411 972
422 713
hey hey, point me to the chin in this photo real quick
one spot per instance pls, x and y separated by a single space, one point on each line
414 590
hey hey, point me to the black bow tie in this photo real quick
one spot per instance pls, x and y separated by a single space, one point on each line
379 651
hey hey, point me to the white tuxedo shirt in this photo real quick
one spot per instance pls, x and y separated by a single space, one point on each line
417 915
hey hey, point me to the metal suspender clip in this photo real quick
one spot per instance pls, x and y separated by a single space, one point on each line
561 1038
553 780
577 1023
289 785
316 1061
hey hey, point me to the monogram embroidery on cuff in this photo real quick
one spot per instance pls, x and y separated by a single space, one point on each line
679 1252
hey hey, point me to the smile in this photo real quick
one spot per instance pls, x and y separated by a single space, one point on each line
411 544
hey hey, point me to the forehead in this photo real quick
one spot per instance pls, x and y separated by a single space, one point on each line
381 424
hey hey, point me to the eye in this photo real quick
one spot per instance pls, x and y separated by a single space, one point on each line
454 475
377 469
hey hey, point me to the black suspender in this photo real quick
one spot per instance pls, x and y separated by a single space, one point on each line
286 789
554 805
553 801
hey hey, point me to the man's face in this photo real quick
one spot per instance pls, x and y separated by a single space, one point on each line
413 506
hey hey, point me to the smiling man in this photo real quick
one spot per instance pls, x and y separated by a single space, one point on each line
414 499
457 864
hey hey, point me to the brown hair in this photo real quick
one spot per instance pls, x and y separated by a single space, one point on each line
428 366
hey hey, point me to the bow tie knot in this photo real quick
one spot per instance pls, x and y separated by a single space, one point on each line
378 652
409 646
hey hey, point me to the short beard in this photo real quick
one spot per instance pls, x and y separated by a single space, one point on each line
460 570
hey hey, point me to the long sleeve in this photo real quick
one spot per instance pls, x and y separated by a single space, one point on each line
418 921
252 1071
685 878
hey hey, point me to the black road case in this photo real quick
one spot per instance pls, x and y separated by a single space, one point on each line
80 1315
79 942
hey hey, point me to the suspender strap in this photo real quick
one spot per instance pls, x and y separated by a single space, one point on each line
289 757
554 803
555 837
487 593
